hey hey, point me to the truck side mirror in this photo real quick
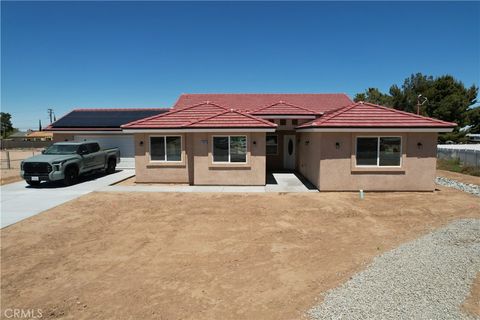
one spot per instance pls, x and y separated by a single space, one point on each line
43 151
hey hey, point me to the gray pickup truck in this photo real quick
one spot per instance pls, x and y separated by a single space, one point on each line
66 161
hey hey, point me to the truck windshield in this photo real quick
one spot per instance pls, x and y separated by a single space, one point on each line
61 149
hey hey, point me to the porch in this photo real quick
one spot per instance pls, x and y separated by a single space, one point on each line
276 182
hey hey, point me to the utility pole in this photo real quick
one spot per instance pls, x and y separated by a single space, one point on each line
50 114
420 102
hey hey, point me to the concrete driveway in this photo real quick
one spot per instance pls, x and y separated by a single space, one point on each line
20 201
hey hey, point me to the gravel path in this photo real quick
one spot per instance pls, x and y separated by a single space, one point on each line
427 278
470 188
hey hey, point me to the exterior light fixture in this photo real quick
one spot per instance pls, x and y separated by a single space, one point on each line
419 145
307 142
337 145
141 143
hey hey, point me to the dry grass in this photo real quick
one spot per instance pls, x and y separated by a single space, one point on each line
207 256
454 165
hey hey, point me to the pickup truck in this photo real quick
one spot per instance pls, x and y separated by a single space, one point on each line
66 161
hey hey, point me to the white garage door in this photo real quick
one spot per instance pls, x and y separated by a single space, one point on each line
124 142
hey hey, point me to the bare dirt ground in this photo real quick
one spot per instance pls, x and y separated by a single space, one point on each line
472 303
9 176
465 178
208 256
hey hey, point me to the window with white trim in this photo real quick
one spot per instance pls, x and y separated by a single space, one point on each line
230 149
272 144
379 151
166 148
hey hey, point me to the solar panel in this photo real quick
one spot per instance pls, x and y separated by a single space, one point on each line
102 118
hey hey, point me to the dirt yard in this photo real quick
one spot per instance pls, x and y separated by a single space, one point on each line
472 303
9 176
208 256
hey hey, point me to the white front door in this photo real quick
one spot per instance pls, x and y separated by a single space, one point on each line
289 151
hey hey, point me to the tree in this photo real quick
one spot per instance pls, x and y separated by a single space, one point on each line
447 98
373 95
6 126
474 119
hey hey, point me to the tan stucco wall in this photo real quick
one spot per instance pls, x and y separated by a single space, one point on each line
197 166
308 156
148 171
337 171
59 137
207 173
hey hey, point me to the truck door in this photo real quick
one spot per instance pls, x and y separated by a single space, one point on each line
97 155
87 159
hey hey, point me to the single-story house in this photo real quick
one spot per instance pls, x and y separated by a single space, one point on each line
102 125
235 139
19 135
40 136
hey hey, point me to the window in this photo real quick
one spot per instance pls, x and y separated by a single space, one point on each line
283 122
230 149
294 122
166 148
272 144
93 147
83 149
379 151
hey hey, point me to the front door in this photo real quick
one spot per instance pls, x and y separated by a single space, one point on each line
289 151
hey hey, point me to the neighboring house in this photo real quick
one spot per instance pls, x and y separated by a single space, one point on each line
473 137
338 145
19 136
39 136
102 125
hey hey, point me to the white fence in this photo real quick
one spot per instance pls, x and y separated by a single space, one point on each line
468 154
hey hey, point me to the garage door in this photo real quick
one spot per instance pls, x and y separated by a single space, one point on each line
124 142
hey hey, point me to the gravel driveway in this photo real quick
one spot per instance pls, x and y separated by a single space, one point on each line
428 278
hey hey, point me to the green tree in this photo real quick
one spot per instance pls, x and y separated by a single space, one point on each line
474 119
6 126
374 95
447 98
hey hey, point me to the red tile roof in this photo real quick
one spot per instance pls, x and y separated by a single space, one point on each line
363 114
283 108
232 119
204 115
318 102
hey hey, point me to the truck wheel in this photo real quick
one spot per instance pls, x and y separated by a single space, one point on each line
112 164
71 176
33 183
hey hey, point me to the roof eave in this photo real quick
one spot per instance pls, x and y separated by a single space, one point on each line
199 129
376 129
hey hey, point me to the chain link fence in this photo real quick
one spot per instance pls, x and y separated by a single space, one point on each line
468 155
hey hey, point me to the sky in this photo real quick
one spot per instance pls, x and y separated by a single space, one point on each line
64 55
